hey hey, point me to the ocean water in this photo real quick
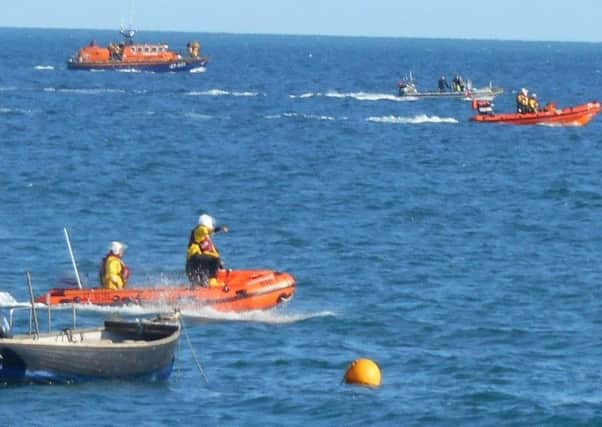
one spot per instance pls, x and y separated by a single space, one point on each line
463 258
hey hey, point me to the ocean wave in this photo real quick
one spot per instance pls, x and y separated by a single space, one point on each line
198 70
84 91
302 116
418 119
44 67
220 92
4 110
129 70
358 96
305 95
7 300
276 315
366 96
199 116
560 125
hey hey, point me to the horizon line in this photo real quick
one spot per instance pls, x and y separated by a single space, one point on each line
313 35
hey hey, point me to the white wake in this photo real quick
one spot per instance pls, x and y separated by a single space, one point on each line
418 119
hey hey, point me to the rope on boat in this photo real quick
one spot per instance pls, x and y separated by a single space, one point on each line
194 356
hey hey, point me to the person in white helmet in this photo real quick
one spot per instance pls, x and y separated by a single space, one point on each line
114 274
202 258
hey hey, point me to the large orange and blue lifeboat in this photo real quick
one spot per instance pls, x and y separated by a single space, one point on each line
128 55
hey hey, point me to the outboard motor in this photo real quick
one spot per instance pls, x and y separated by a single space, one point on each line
5 331
482 106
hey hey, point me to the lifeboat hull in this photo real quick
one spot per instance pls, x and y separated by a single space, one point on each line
580 115
187 64
237 291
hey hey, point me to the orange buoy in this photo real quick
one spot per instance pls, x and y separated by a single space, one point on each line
363 372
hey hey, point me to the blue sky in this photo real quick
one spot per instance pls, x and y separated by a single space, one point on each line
555 20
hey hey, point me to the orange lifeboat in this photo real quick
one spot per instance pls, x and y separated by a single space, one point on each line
579 115
128 55
236 291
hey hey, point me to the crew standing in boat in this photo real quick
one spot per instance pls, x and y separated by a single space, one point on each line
522 101
458 83
203 259
442 84
114 274
533 103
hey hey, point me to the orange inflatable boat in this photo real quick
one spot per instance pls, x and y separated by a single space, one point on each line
572 116
237 290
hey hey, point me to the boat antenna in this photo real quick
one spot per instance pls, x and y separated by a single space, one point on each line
129 31
79 282
33 306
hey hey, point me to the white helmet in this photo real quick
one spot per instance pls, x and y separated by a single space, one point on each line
524 91
534 95
118 248
207 221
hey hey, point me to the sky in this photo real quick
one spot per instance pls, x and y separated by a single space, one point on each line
550 20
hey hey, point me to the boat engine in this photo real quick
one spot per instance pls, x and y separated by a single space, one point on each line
482 106
5 331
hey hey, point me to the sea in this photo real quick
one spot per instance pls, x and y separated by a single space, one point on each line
463 258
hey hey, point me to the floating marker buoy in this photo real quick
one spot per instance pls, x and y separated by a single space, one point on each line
363 372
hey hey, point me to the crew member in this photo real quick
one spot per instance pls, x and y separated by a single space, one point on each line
203 259
522 101
114 274
443 85
458 83
533 103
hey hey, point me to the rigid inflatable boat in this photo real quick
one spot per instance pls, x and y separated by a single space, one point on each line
579 115
235 291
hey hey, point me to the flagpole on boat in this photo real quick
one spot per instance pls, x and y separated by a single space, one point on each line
79 283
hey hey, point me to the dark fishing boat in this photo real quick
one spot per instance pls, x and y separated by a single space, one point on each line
408 88
120 349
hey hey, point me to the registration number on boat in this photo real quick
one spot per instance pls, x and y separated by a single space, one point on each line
177 65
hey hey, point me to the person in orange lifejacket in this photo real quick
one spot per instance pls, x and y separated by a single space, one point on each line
114 274
533 103
522 101
202 258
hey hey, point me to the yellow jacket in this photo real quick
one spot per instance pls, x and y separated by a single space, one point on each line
114 274
200 243
522 99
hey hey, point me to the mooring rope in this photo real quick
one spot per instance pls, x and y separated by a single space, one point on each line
194 356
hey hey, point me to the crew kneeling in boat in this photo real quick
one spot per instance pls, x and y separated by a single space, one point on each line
202 259
114 274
